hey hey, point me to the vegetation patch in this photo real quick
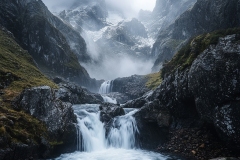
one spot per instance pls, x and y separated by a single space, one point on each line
17 69
188 53
154 80
19 127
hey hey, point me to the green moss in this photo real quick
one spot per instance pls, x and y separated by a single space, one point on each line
17 66
188 53
154 80
20 127
55 143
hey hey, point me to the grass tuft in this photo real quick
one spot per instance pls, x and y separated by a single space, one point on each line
154 80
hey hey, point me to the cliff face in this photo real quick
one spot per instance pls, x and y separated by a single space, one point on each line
47 39
164 14
206 91
204 16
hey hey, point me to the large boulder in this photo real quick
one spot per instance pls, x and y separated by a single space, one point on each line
133 86
69 92
108 111
58 116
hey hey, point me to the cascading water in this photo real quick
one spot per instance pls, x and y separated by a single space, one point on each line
106 87
122 133
119 144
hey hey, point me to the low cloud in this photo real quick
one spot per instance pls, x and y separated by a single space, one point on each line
130 8
112 68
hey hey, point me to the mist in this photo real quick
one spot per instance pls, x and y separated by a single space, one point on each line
113 68
129 8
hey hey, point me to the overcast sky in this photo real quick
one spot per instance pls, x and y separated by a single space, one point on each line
131 6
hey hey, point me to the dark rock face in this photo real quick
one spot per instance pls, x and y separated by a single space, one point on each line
152 122
41 102
74 94
109 111
205 16
36 30
217 103
206 92
164 14
133 87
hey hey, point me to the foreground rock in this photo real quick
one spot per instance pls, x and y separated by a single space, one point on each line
58 116
204 94
109 111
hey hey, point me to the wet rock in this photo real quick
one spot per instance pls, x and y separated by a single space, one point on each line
109 111
152 126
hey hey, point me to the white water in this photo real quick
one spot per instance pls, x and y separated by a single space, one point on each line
106 87
119 144
109 99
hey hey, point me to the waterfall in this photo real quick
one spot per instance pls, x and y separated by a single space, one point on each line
106 87
122 133
91 131
118 144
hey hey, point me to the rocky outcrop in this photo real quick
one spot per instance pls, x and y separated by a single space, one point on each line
133 87
70 92
204 16
218 103
206 92
108 111
36 30
58 116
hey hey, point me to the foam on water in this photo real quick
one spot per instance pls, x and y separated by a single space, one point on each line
114 154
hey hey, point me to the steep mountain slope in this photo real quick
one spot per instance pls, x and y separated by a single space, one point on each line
205 16
164 13
35 29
